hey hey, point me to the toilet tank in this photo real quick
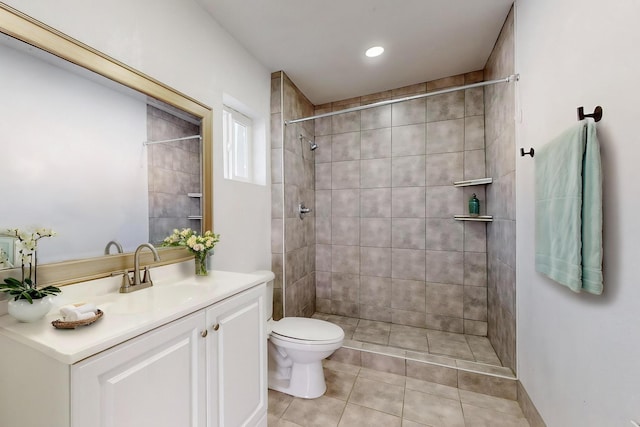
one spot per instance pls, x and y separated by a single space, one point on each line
269 278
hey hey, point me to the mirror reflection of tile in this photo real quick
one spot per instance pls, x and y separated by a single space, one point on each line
7 252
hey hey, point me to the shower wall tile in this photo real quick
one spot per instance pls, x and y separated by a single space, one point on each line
409 90
323 176
408 171
474 77
372 312
408 140
408 264
277 235
323 257
345 203
475 327
345 287
444 234
408 202
375 291
345 231
345 174
375 144
276 130
474 133
375 203
475 303
375 262
342 308
347 122
474 101
376 118
323 203
375 232
445 323
475 269
323 284
474 166
408 112
443 83
276 166
276 87
445 107
443 202
323 153
408 295
444 169
409 318
345 146
475 237
446 136
445 267
408 233
345 259
375 173
444 299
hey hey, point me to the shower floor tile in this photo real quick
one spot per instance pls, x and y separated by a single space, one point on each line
421 340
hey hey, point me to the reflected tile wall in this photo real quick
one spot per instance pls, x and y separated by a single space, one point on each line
174 171
387 247
499 104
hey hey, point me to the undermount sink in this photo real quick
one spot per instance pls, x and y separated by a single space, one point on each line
151 299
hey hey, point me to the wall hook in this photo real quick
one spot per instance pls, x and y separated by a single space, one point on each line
530 152
597 113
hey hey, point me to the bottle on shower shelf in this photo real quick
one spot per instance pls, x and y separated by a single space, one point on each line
474 205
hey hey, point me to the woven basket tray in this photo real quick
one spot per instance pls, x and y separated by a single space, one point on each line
61 324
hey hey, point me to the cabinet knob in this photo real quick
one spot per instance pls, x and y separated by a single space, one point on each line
216 327
204 333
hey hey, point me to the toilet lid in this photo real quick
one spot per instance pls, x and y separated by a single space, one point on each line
303 328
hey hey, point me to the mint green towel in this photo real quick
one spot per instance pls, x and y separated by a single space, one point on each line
569 209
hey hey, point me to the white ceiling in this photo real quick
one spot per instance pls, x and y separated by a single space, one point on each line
320 44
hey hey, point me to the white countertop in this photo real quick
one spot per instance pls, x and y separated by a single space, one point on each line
176 293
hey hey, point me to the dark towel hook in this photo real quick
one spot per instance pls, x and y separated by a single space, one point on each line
597 113
530 152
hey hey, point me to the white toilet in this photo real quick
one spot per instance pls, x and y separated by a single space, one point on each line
297 346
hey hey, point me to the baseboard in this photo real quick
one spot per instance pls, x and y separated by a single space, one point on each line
528 408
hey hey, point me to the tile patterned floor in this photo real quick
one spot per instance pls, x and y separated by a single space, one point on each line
428 341
363 397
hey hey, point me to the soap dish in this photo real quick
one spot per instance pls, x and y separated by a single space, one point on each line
61 324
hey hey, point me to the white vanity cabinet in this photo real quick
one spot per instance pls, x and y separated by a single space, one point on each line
157 379
205 369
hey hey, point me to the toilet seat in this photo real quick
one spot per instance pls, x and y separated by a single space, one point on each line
310 331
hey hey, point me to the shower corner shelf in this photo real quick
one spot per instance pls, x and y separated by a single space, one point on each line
469 182
479 218
197 195
194 217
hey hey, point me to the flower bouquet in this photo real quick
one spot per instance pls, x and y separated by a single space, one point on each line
198 245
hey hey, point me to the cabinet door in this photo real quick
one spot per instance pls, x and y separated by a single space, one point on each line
155 380
237 361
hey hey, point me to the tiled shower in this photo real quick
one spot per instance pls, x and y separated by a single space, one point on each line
381 243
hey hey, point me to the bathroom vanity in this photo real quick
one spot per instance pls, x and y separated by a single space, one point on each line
189 352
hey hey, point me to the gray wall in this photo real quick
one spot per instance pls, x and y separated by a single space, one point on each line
387 247
501 233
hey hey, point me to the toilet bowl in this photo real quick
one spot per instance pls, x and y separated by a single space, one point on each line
296 348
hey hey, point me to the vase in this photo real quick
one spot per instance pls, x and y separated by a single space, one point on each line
201 264
24 311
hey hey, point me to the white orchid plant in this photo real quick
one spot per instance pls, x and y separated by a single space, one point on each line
195 243
27 246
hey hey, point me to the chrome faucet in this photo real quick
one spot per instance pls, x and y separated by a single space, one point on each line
127 284
113 243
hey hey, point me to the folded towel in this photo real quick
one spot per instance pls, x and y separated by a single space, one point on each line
569 209
75 312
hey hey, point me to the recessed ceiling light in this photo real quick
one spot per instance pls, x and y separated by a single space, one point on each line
374 51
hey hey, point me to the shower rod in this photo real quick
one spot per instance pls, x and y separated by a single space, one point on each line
509 79
172 140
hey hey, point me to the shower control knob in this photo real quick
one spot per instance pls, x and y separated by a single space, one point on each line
302 209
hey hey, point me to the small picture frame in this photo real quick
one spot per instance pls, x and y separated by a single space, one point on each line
7 252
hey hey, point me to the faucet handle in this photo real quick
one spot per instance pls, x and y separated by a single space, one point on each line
146 278
126 279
